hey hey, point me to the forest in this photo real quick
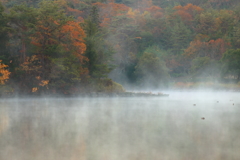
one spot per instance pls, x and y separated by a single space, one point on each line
80 46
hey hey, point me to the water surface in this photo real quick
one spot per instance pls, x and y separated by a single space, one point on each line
183 126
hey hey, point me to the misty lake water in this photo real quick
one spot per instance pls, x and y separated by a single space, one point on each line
183 126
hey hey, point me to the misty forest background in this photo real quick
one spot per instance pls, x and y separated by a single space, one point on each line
82 46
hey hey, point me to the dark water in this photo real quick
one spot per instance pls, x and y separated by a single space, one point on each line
184 126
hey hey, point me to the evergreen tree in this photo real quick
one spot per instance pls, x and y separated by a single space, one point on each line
97 51
231 63
180 37
4 28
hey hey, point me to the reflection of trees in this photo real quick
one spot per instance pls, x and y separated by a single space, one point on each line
40 131
4 121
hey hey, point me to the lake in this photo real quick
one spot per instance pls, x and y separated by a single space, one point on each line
184 126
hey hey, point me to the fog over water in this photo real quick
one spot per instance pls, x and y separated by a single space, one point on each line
184 126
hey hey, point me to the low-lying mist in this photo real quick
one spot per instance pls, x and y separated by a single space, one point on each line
193 125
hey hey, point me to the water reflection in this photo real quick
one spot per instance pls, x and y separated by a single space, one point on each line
4 119
168 128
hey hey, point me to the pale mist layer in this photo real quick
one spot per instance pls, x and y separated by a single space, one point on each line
183 126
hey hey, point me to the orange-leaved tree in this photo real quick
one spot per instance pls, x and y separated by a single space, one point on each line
74 35
109 10
155 11
188 12
54 31
58 44
213 49
4 73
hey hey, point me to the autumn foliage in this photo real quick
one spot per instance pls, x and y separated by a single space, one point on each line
74 36
188 12
4 73
67 46
213 49
155 11
109 10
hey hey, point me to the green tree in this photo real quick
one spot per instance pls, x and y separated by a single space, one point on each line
22 20
98 51
207 24
124 36
59 44
205 69
151 71
180 38
4 30
225 22
55 58
235 39
231 63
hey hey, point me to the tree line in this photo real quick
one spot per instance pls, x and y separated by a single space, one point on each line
81 46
